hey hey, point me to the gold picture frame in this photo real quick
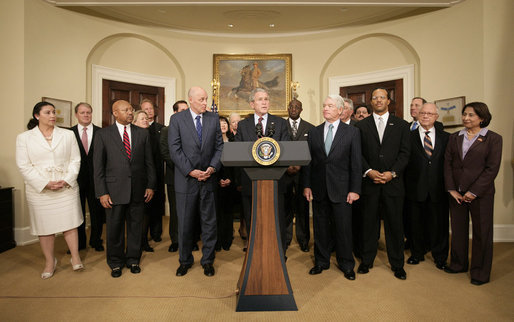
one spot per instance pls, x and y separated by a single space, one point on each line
238 75
450 110
62 111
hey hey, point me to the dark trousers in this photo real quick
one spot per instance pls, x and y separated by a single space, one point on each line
357 228
328 215
481 210
189 205
172 201
224 216
391 210
131 215
297 205
96 216
429 227
155 213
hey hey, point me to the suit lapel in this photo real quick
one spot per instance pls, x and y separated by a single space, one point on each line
207 126
460 139
388 127
191 124
337 137
438 144
373 126
480 139
116 138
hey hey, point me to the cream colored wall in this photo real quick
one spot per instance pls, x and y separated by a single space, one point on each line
462 50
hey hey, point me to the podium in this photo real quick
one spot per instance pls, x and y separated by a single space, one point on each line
264 283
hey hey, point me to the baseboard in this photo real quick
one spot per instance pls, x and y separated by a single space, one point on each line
503 233
23 237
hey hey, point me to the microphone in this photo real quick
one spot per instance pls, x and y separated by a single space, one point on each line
271 130
258 130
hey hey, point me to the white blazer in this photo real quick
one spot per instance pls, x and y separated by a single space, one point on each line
40 162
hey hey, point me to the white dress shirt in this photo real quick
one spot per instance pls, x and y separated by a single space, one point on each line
431 135
264 121
334 129
121 129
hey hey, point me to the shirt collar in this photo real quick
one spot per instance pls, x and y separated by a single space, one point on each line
482 132
384 116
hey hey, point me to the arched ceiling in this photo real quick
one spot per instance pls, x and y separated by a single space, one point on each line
252 17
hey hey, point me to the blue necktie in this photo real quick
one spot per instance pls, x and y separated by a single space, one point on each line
199 128
329 138
414 126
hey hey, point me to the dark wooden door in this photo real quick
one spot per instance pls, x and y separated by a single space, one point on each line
362 94
134 94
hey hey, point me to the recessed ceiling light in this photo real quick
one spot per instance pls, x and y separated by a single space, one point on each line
230 25
272 25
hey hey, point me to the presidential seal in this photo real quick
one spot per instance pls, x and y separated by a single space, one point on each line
266 151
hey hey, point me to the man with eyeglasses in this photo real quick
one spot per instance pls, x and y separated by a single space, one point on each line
425 189
385 153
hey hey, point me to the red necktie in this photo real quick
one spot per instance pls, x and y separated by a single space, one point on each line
84 140
126 142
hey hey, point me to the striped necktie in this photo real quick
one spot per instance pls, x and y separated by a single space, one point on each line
429 149
126 142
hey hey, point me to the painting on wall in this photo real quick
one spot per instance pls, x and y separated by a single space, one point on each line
62 111
238 75
450 110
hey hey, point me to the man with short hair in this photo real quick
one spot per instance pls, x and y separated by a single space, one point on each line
169 179
261 124
346 114
296 205
415 106
195 144
332 182
156 206
425 189
124 182
85 132
385 154
361 112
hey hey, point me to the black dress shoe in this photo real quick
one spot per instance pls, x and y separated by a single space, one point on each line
195 247
363 268
217 248
317 270
440 264
148 249
349 275
135 269
226 247
182 269
208 270
304 247
452 271
400 273
477 282
116 272
173 248
414 260
99 248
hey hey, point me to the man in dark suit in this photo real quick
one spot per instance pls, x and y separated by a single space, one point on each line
295 204
156 205
169 179
260 124
85 132
425 189
333 182
385 154
124 181
195 144
346 114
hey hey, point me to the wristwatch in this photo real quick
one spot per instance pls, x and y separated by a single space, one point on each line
393 173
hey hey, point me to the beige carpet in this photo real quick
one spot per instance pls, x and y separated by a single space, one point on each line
157 294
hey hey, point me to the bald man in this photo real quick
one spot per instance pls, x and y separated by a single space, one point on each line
124 176
195 145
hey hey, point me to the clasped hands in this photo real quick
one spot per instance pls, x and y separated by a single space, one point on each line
202 175
56 185
380 177
467 197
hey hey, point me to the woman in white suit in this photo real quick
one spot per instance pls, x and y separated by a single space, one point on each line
49 160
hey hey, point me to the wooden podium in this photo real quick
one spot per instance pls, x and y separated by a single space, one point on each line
264 283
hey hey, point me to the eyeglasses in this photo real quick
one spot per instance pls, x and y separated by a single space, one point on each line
427 114
377 97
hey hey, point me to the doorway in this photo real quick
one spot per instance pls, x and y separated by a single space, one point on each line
134 94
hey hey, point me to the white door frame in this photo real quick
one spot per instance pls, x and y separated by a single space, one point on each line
99 73
403 72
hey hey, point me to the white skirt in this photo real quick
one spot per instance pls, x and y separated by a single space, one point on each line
53 211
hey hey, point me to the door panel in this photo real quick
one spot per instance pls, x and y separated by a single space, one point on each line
362 94
134 94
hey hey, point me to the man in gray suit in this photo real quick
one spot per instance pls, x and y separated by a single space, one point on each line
195 144
124 181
